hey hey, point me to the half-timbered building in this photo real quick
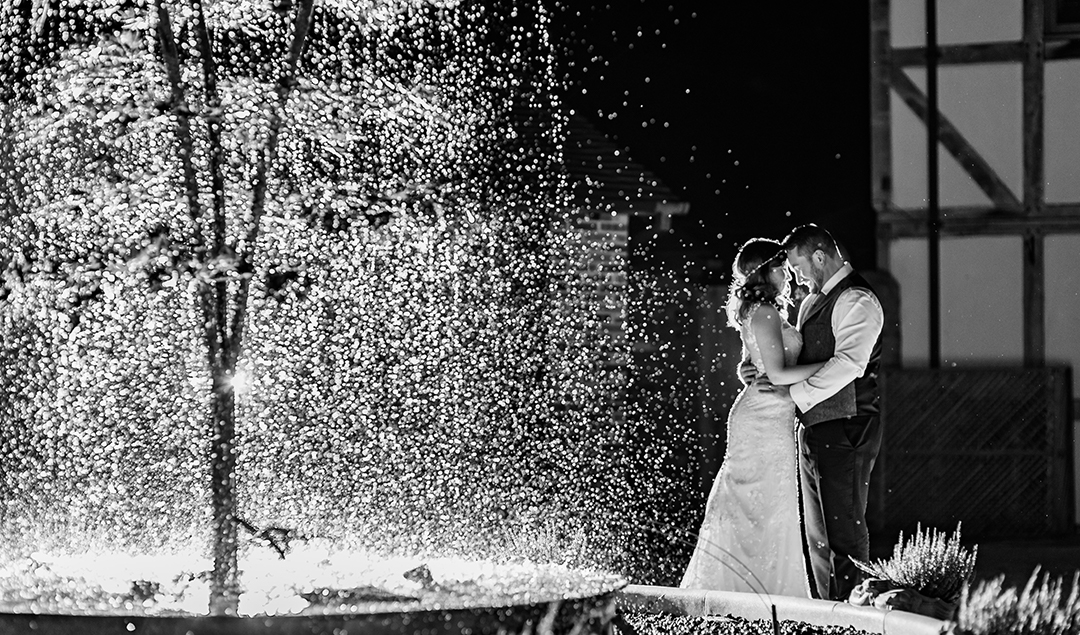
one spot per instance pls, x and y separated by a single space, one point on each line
982 234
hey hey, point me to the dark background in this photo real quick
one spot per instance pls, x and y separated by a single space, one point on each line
757 113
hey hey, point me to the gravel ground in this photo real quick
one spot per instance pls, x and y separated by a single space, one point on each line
644 624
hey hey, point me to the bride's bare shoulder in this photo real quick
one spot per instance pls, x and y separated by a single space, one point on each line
765 319
764 313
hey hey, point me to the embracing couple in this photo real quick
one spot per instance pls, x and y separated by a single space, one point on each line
788 508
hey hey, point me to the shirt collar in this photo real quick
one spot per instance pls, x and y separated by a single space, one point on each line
831 283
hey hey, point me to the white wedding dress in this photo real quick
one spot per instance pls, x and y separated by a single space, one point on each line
750 539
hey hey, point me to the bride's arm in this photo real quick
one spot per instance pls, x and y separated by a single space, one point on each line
766 324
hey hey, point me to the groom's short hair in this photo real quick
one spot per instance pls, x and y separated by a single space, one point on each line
806 239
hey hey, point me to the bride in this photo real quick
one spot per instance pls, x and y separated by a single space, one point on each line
750 539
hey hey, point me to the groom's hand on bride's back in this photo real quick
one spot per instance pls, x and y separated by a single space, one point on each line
747 372
763 384
748 375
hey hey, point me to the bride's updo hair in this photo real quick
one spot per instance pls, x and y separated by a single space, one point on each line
750 280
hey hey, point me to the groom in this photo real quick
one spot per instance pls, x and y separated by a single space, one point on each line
839 431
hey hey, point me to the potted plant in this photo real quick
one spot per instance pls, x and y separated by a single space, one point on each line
926 575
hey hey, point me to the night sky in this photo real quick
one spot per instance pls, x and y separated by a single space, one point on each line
757 113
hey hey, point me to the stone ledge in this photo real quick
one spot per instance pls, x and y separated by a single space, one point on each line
658 599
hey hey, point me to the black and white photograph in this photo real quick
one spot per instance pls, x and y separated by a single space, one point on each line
539 317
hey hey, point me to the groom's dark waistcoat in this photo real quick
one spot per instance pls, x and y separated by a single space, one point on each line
860 397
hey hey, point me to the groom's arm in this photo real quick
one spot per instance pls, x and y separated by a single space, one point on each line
857 320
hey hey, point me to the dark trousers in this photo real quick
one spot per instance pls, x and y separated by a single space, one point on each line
836 458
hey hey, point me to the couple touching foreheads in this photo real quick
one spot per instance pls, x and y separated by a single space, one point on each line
787 511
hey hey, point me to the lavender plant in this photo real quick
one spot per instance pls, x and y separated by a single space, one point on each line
932 563
1043 607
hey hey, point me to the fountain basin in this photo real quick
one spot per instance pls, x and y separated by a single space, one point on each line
590 614
356 594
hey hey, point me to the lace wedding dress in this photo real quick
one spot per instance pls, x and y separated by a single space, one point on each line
750 538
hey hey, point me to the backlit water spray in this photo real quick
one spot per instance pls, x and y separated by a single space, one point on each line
286 295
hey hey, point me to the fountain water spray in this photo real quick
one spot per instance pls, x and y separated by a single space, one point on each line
298 251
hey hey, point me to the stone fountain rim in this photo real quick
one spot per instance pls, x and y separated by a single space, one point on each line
486 619
381 609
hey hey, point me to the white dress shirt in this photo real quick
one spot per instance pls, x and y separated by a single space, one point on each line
856 323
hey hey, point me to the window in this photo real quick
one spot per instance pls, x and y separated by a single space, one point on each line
1062 17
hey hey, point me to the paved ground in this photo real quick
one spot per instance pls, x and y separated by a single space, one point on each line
1018 558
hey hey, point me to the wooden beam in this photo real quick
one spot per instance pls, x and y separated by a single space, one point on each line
981 221
959 147
983 53
933 189
979 53
880 117
1051 212
1034 299
1033 106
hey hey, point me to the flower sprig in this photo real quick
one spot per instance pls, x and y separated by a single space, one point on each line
930 563
1042 607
